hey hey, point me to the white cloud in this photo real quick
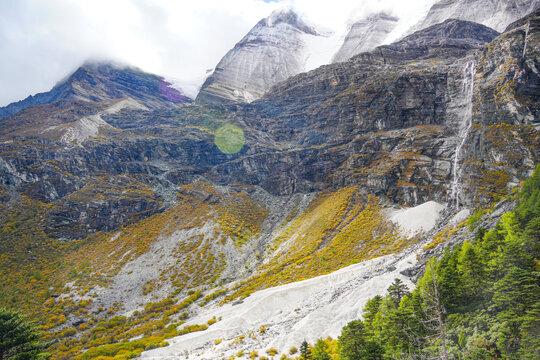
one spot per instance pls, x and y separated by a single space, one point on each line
42 41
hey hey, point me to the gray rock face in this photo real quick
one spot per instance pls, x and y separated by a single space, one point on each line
365 35
449 39
104 203
496 14
271 52
388 121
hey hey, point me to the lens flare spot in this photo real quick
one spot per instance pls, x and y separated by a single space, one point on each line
229 139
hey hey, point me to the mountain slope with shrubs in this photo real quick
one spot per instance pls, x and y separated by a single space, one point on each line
124 227
478 301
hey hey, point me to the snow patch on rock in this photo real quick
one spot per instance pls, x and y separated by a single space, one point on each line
321 49
365 35
275 49
496 14
89 126
415 220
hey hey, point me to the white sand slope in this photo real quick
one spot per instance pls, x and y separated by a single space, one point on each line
309 309
84 128
126 103
89 126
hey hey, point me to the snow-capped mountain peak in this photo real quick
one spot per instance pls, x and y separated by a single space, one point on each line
289 17
366 34
272 51
496 14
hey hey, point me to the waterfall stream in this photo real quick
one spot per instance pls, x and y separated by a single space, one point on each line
525 40
469 72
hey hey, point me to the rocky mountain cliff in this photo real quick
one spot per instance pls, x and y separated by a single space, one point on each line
272 51
497 14
392 111
365 35
387 120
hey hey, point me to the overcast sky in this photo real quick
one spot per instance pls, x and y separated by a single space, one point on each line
42 41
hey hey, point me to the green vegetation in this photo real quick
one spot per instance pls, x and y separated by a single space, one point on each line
488 288
473 220
212 296
107 339
124 350
240 217
321 350
305 351
479 301
19 339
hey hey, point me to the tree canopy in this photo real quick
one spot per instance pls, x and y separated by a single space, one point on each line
19 339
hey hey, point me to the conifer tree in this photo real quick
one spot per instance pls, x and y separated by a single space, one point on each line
370 311
434 313
305 351
450 284
355 343
472 273
397 290
19 340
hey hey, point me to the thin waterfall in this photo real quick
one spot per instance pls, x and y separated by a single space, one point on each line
526 36
469 72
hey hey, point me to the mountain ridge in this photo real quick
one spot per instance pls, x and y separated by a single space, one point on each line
116 81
